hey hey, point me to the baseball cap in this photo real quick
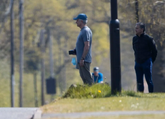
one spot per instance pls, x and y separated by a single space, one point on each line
81 16
96 69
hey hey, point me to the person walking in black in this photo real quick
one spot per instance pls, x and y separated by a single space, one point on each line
145 54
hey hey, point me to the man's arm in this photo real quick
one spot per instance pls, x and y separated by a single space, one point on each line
154 50
133 43
86 49
101 78
86 39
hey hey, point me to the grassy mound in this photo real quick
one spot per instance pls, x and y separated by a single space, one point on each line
94 91
80 98
85 91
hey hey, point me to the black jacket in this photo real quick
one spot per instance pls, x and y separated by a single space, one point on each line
144 48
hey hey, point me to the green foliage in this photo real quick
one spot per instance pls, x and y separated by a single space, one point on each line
56 16
85 91
95 91
4 85
100 91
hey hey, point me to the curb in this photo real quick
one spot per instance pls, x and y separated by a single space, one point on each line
99 114
37 114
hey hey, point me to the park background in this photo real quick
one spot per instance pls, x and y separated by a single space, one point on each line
56 18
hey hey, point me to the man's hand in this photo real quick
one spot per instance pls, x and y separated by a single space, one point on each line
81 62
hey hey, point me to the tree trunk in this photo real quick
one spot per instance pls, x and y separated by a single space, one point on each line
62 77
35 89
42 46
137 10
21 51
12 52
158 73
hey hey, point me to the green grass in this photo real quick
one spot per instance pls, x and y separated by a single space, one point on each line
94 91
88 99
123 103
85 91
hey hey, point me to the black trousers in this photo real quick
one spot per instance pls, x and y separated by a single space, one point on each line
141 70
85 73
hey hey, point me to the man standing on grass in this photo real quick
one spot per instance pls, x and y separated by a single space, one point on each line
145 54
83 49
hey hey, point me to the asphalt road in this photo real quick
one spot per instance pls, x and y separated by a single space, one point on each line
17 113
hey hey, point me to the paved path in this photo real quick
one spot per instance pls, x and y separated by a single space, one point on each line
17 113
27 113
97 114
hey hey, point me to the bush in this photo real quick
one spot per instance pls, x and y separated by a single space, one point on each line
85 91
